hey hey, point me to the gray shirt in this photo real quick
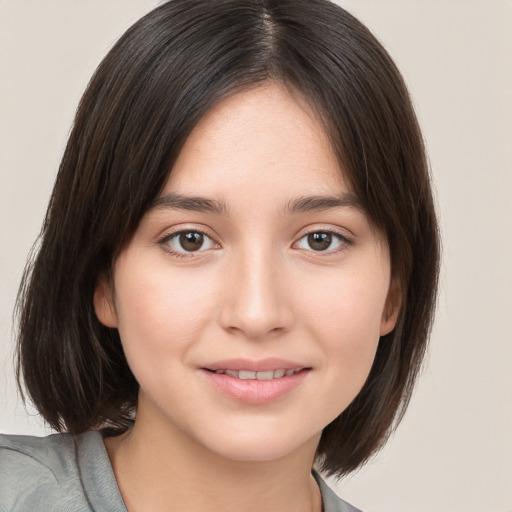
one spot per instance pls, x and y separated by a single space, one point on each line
65 473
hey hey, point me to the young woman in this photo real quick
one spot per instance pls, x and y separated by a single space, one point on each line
237 270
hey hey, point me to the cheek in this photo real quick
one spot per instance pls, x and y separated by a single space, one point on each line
161 313
347 307
344 318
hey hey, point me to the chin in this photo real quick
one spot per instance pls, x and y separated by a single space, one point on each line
264 447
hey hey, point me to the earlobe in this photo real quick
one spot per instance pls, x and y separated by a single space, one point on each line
392 308
104 303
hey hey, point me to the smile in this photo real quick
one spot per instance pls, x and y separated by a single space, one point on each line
264 375
255 383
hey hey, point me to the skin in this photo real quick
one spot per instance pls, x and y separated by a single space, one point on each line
257 288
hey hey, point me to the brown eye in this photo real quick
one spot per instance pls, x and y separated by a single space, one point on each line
191 241
319 241
322 241
182 243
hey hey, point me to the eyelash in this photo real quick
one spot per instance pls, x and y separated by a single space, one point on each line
164 242
344 242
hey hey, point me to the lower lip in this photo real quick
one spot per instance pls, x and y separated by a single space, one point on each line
253 391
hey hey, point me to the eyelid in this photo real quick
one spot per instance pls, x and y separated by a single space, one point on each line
169 234
163 240
345 240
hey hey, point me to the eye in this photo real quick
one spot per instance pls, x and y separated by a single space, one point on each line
322 241
182 243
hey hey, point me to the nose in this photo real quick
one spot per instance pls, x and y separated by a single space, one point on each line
257 302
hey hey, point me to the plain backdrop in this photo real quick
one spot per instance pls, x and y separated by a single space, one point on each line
453 451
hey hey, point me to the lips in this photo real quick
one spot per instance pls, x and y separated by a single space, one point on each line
264 375
255 382
262 365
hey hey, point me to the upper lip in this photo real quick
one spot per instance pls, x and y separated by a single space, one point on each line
262 365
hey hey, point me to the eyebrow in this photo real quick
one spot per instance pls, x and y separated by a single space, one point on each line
190 203
306 204
302 204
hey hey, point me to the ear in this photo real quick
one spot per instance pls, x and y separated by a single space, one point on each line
392 308
104 303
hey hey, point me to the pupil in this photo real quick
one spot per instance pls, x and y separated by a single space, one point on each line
319 241
191 241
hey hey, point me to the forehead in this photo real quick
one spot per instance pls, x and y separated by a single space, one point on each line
265 139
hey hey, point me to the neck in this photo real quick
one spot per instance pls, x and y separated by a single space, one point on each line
158 468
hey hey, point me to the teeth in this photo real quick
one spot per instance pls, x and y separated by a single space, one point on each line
245 375
267 375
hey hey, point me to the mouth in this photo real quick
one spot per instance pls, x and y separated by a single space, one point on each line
262 375
256 382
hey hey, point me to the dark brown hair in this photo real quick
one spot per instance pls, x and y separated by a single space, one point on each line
143 101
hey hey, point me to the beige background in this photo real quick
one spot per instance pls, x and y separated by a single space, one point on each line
453 451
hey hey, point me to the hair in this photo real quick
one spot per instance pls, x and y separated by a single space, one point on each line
140 106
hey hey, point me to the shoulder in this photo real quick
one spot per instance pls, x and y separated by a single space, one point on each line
54 452
39 473
331 502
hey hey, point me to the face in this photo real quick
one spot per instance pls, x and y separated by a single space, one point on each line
251 299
